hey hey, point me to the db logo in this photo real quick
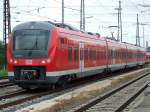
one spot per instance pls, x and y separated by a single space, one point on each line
28 62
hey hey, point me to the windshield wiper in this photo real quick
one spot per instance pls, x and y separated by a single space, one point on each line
34 46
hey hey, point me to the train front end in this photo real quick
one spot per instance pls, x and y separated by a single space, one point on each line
28 54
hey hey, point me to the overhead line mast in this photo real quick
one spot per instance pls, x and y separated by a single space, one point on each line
6 25
120 21
119 37
81 20
82 16
137 32
62 11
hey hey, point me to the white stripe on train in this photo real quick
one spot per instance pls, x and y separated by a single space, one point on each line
61 73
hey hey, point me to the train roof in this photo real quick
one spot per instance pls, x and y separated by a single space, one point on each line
82 35
70 27
34 24
48 25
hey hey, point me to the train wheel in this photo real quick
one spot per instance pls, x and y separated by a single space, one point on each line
53 86
62 82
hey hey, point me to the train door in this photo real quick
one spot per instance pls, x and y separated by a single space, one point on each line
107 55
113 56
81 57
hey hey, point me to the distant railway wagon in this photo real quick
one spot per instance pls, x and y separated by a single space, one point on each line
148 57
43 53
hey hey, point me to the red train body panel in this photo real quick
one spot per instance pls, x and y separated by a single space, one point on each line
40 54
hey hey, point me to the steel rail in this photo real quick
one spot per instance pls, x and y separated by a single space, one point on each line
3 77
55 92
5 83
103 97
13 94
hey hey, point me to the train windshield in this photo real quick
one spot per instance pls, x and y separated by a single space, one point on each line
30 42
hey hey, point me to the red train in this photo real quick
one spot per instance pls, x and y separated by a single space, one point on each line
43 53
147 57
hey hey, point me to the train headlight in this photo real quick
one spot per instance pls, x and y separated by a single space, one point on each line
43 62
15 61
48 60
10 60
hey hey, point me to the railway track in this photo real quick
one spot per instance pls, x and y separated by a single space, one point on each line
4 83
19 97
12 94
23 96
117 99
4 77
11 99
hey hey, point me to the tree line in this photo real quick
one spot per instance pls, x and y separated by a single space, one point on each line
2 55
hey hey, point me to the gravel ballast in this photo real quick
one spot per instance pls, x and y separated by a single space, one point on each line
80 95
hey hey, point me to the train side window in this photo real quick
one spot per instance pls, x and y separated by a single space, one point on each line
111 54
86 54
139 55
62 43
69 54
94 55
90 54
123 53
81 54
130 55
99 54
108 54
76 54
104 54
120 55
116 54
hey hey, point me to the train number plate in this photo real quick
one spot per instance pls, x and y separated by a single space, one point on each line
28 74
28 62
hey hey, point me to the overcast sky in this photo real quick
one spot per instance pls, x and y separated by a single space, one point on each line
100 14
